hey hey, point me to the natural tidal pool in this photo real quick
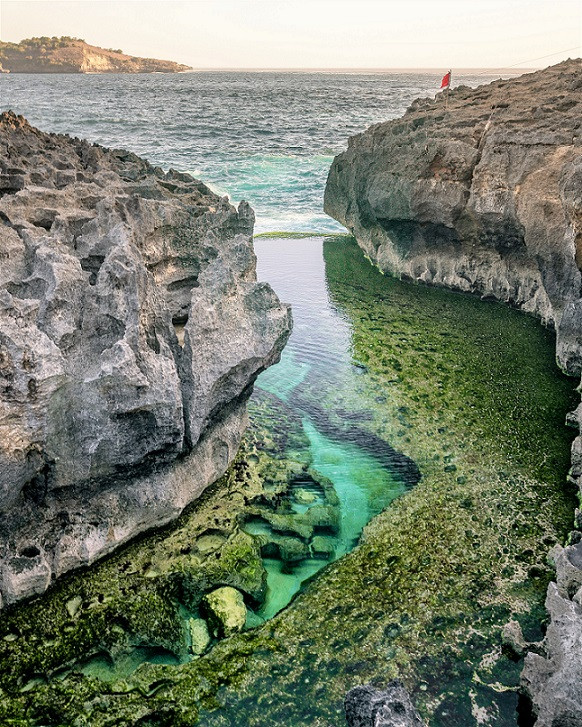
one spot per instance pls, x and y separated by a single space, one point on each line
430 420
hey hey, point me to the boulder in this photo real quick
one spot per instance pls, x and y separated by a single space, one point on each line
226 611
366 706
199 635
483 195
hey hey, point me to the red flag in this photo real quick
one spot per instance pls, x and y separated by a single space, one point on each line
446 82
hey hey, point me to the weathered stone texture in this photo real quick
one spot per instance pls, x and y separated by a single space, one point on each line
484 196
366 706
132 329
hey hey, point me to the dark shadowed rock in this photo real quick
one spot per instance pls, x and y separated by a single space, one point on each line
132 329
369 707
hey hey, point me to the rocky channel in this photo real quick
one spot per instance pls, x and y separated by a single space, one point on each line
132 329
481 191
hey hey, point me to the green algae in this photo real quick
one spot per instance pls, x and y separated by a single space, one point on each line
467 389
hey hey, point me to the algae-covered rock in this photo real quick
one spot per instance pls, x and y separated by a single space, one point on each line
292 549
323 546
304 497
199 635
226 610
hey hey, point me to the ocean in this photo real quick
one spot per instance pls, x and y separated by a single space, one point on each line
267 137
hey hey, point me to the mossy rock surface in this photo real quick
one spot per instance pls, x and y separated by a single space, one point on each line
467 390
226 610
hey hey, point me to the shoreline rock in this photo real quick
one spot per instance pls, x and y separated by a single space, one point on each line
485 196
366 706
132 329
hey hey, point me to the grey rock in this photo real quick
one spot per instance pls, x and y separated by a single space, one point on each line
513 640
553 678
132 329
483 196
366 706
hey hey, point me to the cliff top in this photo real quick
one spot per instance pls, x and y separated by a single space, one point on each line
74 55
550 98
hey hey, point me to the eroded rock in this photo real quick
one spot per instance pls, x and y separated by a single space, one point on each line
132 329
553 677
226 610
483 196
366 706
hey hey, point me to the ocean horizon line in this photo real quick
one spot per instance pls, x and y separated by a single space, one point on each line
440 69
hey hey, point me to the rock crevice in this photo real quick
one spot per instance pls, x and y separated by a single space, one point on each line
132 329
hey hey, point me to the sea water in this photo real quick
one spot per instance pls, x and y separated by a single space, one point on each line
267 137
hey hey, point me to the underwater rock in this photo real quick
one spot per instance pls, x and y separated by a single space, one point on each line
226 610
304 497
132 329
323 546
199 635
366 706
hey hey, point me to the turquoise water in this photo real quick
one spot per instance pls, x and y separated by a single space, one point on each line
318 358
364 488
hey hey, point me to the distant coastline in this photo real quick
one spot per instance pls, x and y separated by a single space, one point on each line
74 55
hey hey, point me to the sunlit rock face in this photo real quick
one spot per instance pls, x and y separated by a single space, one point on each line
132 329
480 194
483 193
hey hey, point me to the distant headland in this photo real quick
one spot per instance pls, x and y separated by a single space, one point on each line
74 55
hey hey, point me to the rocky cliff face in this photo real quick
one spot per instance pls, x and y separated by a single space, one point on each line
72 55
484 195
132 329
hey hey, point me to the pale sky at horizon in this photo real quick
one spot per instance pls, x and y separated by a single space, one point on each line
313 33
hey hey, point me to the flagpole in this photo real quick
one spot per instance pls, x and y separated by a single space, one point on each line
448 89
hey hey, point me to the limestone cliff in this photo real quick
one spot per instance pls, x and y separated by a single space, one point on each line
484 194
72 55
132 329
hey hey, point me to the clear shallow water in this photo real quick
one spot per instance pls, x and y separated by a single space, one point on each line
268 138
318 355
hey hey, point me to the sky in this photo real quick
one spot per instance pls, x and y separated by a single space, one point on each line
314 33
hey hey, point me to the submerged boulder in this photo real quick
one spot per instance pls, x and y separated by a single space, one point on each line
199 635
132 329
366 706
226 610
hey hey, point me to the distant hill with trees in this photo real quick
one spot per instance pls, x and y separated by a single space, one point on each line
74 55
